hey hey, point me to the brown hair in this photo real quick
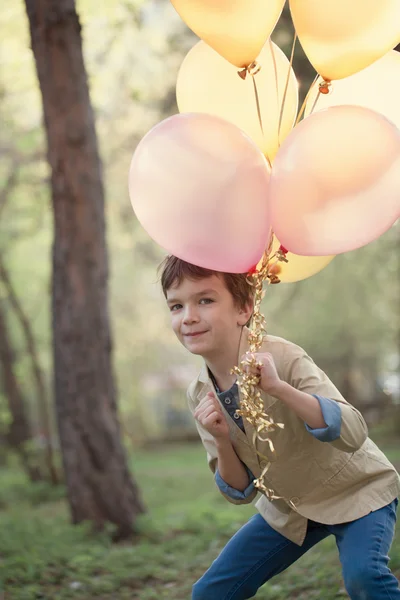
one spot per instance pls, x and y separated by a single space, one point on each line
174 270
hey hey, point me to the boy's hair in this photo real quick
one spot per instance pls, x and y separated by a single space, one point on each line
174 270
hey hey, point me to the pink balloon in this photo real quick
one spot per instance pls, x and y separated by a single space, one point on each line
199 186
335 183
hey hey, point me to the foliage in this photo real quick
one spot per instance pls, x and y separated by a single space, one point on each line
44 557
133 50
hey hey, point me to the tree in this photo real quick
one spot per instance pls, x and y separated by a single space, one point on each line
100 487
37 373
20 435
19 431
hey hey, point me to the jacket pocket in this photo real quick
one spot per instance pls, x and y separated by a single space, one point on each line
296 477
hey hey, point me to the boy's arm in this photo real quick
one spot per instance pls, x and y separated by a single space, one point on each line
230 469
233 479
230 492
234 494
345 427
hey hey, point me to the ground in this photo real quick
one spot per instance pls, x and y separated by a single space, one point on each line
188 522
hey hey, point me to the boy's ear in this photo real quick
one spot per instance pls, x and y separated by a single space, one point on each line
245 313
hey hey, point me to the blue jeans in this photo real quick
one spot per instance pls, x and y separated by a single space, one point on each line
256 553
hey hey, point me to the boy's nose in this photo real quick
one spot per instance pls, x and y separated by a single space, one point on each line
190 315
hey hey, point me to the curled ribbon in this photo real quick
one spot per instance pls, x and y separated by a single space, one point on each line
251 404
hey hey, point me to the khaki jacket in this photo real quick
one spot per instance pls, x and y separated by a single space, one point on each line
328 482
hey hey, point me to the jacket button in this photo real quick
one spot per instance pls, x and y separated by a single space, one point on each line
294 501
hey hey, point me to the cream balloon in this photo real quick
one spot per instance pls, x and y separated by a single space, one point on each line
298 267
236 29
198 186
335 182
374 87
209 84
341 38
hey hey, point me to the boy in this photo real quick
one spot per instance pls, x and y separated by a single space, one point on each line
326 476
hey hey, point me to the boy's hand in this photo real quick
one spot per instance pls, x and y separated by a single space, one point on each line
270 382
209 414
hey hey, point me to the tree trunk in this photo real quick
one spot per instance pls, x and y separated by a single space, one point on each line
99 484
37 373
19 431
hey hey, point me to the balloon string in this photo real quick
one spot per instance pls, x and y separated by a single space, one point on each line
258 105
323 88
303 107
271 49
252 70
286 85
259 112
315 102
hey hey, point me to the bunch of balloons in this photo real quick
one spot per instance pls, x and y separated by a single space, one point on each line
211 183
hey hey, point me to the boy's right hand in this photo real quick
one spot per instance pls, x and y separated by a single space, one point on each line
210 415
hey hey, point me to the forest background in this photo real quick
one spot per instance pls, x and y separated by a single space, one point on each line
346 317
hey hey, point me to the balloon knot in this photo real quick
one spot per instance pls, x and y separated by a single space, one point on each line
273 279
254 68
251 69
325 87
283 249
252 270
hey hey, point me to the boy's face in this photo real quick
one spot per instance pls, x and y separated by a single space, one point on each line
204 316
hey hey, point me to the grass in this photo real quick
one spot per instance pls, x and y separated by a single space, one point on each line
43 557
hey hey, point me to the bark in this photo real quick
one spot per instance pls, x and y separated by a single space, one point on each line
100 487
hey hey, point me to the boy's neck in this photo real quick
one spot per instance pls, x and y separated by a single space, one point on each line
222 365
224 380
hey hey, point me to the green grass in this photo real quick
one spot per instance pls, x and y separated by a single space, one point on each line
43 557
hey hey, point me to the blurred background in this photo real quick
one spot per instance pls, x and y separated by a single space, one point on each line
347 318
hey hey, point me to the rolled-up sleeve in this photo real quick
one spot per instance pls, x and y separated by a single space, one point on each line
305 375
333 419
232 492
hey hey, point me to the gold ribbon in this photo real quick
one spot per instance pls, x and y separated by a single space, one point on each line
251 405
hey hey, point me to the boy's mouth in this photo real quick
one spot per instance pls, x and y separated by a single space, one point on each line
194 333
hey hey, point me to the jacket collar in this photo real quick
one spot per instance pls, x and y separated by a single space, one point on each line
207 385
244 436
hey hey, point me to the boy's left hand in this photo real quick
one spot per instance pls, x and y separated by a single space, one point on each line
269 378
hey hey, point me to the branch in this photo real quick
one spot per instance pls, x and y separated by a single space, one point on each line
8 187
37 371
17 161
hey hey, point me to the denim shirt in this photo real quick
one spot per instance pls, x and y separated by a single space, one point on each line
230 400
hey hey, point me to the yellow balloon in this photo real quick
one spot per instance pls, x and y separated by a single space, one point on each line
341 37
236 29
209 84
375 87
298 267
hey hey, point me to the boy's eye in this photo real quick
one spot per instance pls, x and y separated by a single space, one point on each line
175 307
206 301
